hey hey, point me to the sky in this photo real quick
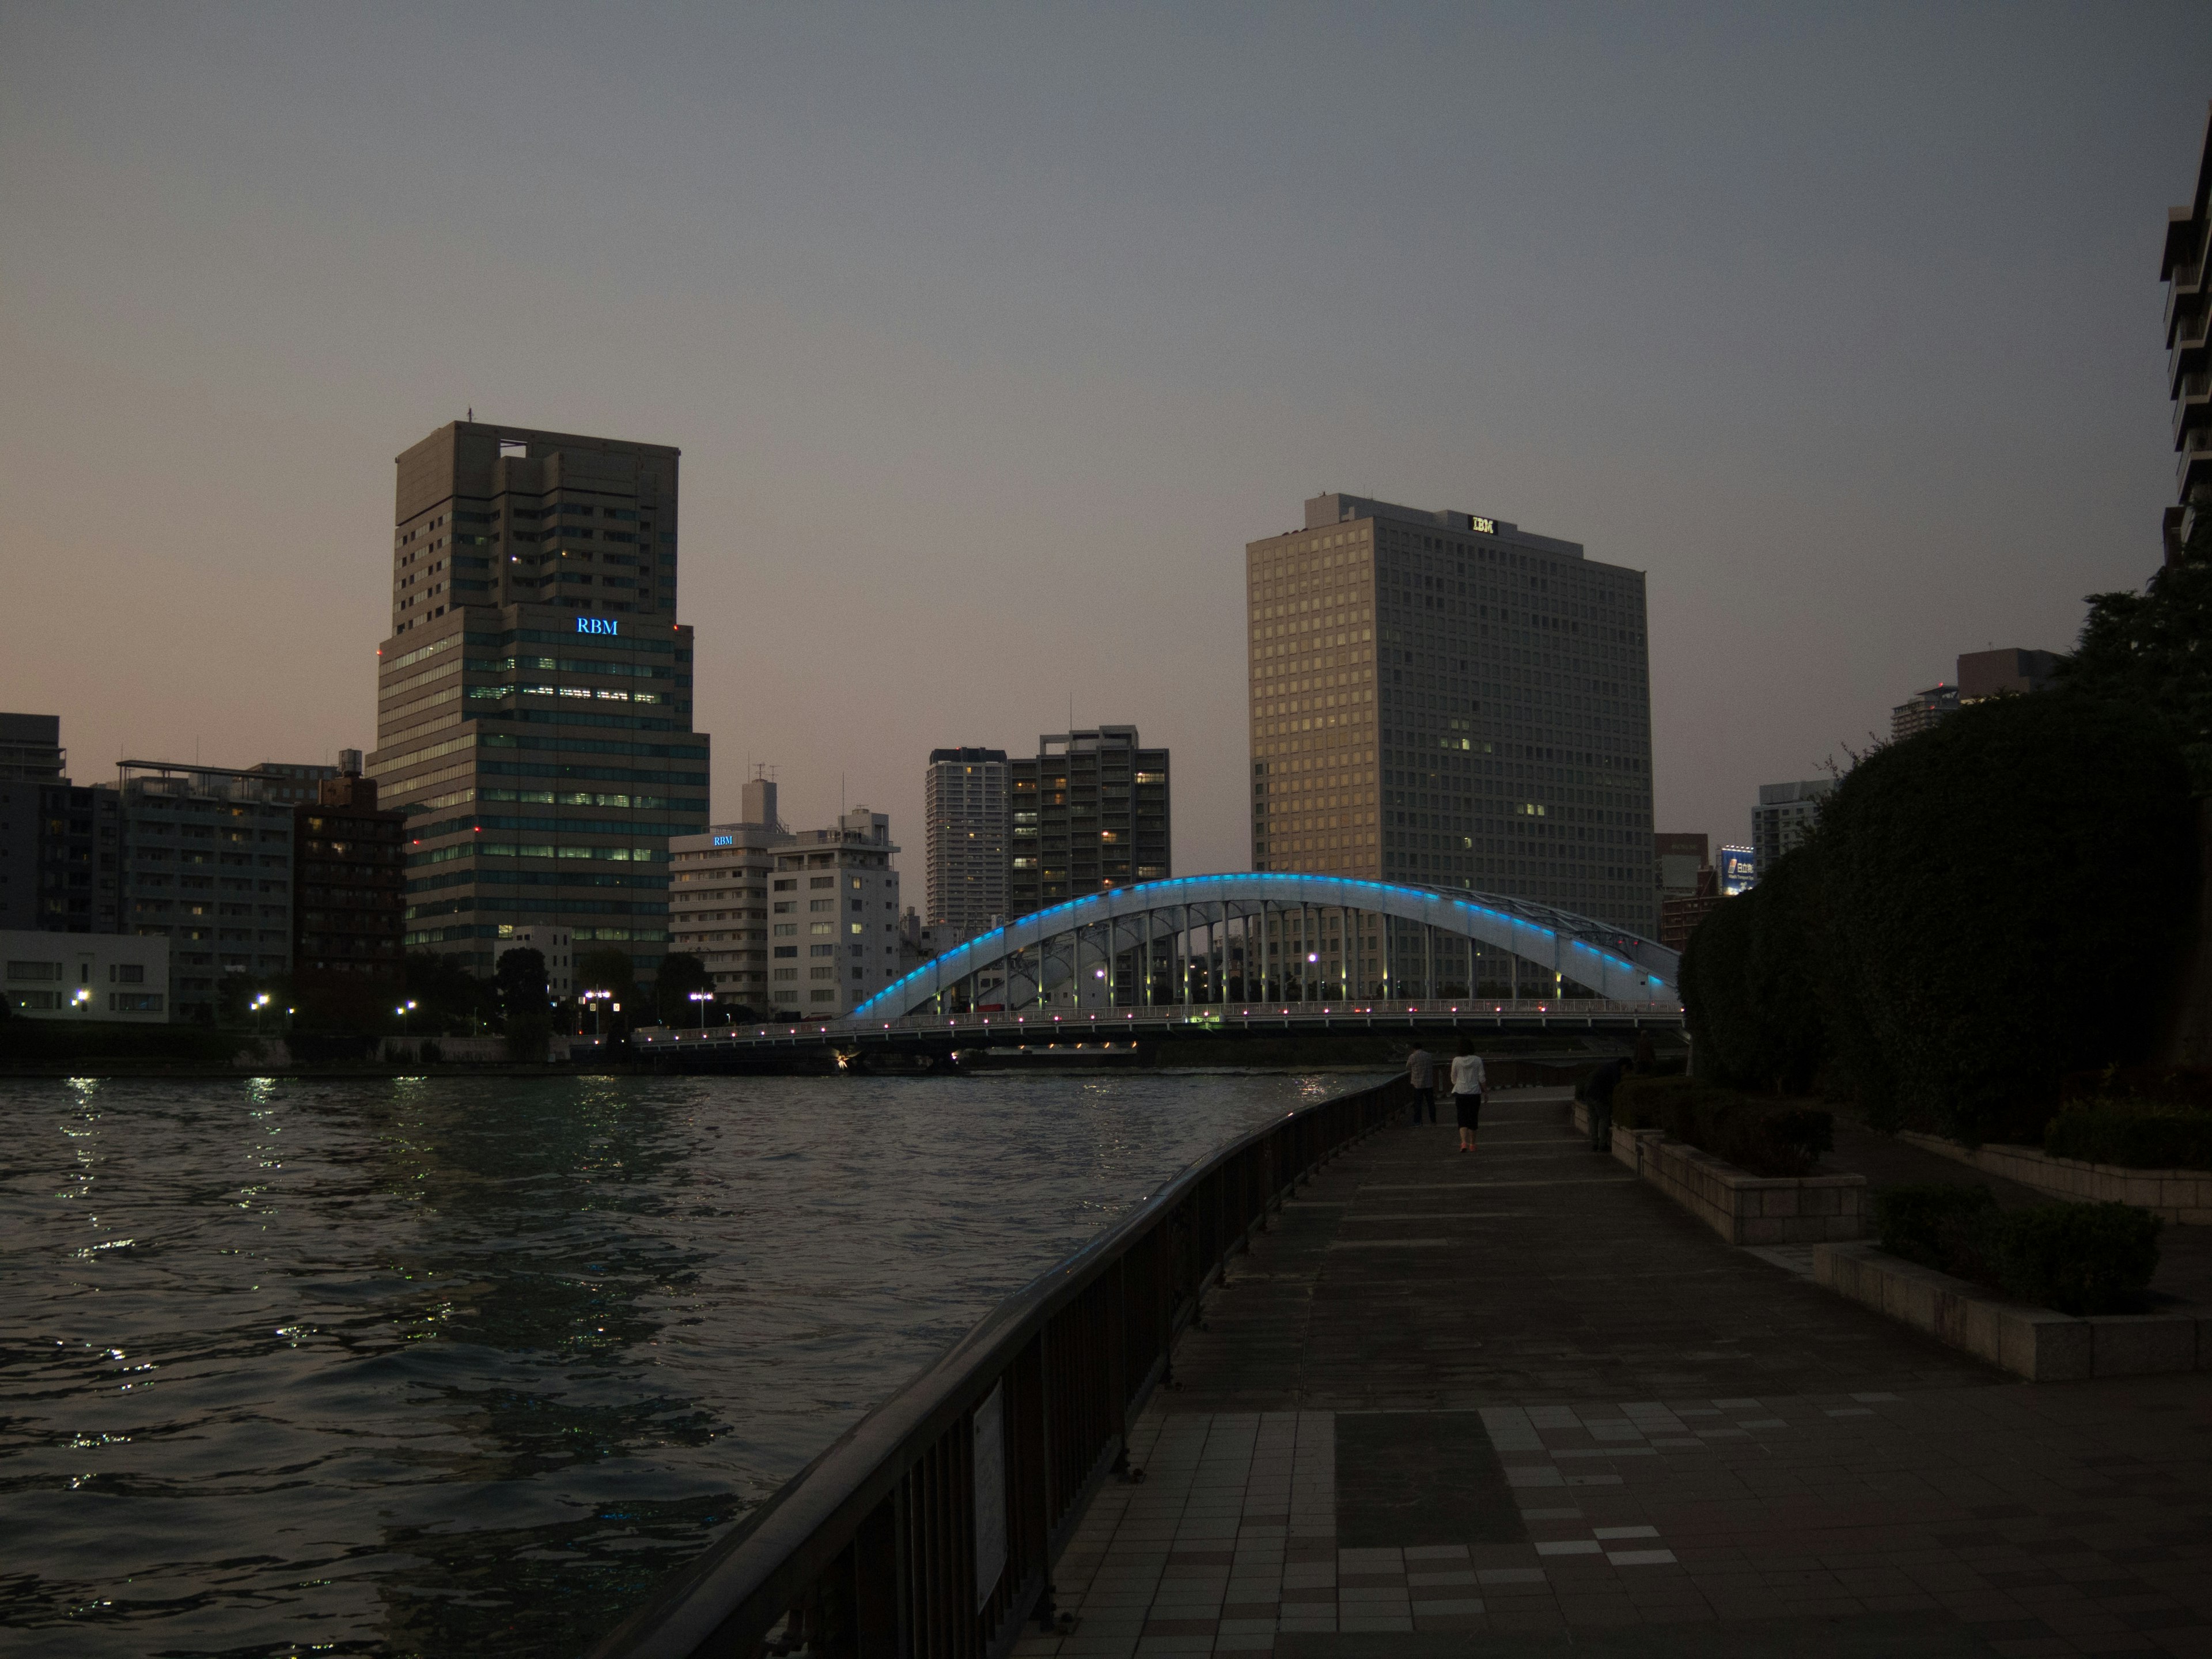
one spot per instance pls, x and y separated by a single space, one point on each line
991 334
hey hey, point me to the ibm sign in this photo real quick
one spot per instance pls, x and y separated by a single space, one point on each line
598 625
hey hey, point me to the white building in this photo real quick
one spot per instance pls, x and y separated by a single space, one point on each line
119 977
833 917
718 898
556 944
1785 815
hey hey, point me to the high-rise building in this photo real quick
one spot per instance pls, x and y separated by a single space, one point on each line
964 801
2188 363
833 917
207 865
1450 701
534 698
718 899
1785 815
347 889
2010 672
1091 811
31 749
1922 711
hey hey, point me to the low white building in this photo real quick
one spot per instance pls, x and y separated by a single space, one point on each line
556 944
118 977
833 917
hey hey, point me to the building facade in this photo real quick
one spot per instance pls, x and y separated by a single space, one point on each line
2189 363
2008 672
33 769
1447 699
718 900
534 697
207 865
1785 815
833 917
31 749
119 978
349 890
1091 811
1922 711
964 799
555 944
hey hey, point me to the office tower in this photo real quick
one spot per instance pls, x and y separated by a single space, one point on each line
964 838
33 764
1785 815
1090 812
207 865
1985 674
833 916
718 898
348 889
2188 363
534 698
1922 711
1450 701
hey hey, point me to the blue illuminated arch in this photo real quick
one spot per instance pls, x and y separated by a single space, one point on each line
1614 964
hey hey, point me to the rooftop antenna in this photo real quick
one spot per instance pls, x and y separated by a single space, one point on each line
472 414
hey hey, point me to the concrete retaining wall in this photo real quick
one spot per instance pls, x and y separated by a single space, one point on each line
1741 1207
2037 1343
2179 1195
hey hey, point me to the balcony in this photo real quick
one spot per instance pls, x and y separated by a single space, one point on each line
2194 470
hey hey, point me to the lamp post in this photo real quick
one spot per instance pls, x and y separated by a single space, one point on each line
402 1010
697 997
260 1003
594 997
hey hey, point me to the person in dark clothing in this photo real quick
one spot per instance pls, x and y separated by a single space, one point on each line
1597 1095
1421 1072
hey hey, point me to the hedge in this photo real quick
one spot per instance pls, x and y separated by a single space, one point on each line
1765 1138
1983 909
2077 1258
2136 1136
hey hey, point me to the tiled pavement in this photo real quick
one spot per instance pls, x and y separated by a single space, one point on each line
1516 1402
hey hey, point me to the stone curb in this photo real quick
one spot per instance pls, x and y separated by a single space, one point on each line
1741 1207
2039 1344
2184 1196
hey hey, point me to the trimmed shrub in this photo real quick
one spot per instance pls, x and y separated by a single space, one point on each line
1938 1226
2131 1133
1996 895
2077 1258
1764 1137
1750 982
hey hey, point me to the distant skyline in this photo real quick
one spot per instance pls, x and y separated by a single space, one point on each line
1012 328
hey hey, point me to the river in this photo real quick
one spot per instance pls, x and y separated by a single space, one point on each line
464 1366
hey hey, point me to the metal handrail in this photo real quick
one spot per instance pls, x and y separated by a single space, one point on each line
871 1552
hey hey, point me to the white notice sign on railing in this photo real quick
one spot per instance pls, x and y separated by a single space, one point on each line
990 1494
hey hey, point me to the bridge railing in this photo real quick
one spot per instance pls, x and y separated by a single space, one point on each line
1093 1024
929 1529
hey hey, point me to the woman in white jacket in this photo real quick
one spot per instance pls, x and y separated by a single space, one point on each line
1466 1083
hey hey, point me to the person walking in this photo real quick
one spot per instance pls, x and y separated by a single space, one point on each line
1597 1095
1421 1072
1467 1090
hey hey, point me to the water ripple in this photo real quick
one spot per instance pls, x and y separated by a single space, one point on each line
434 1366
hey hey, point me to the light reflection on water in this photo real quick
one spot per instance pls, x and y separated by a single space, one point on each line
450 1366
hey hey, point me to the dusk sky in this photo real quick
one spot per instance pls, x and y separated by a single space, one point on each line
991 335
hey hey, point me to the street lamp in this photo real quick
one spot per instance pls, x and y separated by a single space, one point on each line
702 996
260 1003
402 1010
595 998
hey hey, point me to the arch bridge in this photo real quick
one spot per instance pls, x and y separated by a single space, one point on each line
1294 941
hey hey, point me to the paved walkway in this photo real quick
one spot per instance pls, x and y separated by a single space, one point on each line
1517 1402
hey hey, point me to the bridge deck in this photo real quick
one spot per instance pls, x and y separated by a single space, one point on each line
1519 1400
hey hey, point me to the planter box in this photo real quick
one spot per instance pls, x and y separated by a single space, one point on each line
2179 1195
2038 1344
1741 1207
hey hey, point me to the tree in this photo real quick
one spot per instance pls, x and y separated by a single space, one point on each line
2154 650
520 975
681 974
446 995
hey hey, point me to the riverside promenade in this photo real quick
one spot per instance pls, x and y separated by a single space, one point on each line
1517 1402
